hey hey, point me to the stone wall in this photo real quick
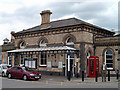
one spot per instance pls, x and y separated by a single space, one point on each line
57 38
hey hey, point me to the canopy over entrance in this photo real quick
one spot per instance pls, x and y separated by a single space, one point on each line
51 48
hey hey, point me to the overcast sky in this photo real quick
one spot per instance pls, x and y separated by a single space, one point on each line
16 15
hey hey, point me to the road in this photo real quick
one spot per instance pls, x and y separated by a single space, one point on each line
56 82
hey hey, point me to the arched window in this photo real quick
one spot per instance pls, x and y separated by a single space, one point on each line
109 59
22 44
43 42
70 41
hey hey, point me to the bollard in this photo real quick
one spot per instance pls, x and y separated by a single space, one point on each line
108 75
68 76
117 75
96 79
77 75
82 75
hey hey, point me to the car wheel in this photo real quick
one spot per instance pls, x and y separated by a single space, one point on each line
9 75
25 77
3 74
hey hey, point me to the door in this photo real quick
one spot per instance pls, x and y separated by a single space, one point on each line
18 72
13 71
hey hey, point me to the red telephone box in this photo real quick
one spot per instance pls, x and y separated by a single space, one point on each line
93 66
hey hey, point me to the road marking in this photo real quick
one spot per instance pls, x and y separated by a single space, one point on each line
61 83
46 81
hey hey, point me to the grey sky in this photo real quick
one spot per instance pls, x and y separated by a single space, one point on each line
17 15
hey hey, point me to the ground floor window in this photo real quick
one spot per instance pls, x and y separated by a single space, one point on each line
21 59
43 59
30 62
9 61
109 59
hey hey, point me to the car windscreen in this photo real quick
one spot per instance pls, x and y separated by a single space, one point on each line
4 67
26 69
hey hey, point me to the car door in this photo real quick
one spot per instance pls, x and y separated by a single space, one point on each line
18 72
13 71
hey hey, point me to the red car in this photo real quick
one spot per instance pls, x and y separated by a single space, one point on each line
23 72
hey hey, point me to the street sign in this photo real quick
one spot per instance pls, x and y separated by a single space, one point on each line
77 60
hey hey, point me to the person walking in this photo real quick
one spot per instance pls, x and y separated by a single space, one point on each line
104 71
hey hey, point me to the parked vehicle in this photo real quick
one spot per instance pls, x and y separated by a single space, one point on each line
3 69
23 72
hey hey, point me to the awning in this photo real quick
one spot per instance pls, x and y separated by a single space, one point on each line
56 48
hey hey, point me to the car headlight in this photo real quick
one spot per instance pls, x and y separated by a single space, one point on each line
32 74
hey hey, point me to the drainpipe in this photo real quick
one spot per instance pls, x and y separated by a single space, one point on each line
94 49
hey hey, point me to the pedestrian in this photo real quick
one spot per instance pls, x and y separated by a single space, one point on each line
104 71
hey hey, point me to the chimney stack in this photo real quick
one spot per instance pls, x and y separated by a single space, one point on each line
45 15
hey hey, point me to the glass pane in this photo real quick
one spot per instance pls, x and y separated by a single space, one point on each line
109 65
109 52
70 40
108 56
109 61
43 58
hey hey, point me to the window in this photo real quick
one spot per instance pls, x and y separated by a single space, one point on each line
43 43
31 62
14 68
70 41
9 61
43 59
22 45
109 59
21 59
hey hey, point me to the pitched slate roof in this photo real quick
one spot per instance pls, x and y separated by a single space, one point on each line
61 23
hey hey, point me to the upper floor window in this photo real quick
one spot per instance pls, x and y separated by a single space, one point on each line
22 44
109 59
43 43
70 41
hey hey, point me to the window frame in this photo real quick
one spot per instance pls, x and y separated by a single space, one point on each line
9 58
69 43
42 45
40 58
21 59
109 68
21 45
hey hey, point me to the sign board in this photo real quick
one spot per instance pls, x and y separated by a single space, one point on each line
49 64
30 62
77 60
60 64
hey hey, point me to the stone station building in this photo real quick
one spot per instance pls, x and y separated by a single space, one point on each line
48 46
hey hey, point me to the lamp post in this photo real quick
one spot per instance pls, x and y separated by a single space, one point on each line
68 76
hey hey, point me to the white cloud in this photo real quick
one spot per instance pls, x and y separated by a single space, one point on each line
65 17
16 15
